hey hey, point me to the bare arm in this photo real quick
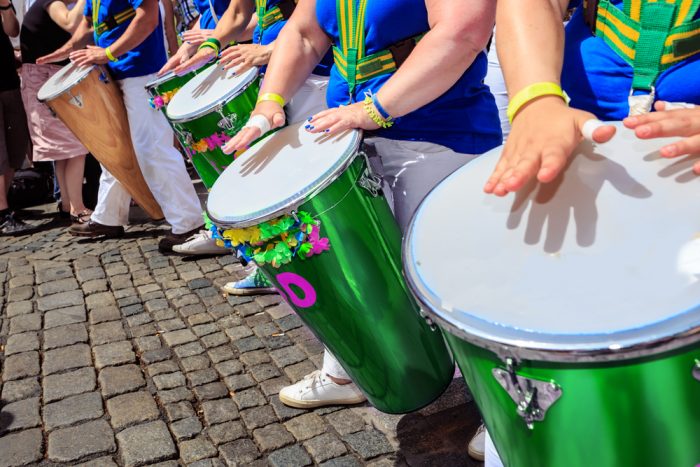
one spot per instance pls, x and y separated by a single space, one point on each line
9 21
68 20
81 37
169 25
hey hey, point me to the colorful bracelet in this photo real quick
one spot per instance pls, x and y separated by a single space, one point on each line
385 115
374 115
272 97
108 53
531 93
210 43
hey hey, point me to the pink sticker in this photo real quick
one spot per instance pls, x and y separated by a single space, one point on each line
287 279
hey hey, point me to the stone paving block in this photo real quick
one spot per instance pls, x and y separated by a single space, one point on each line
324 447
224 313
64 336
19 308
18 343
277 341
200 318
220 354
94 286
238 332
20 415
368 444
248 309
175 395
200 377
66 358
72 410
25 323
115 353
272 437
211 391
239 452
249 398
258 417
239 382
248 344
226 432
255 358
105 333
287 356
146 444
196 449
21 389
190 310
100 300
186 428
75 443
199 283
264 372
297 371
205 329
175 338
62 285
103 315
289 322
306 426
169 380
21 281
60 300
345 421
62 317
101 462
138 320
292 455
131 310
178 411
345 461
84 275
268 300
128 300
170 324
189 350
274 386
155 305
154 356
214 340
146 343
159 368
219 411
21 448
228 368
120 379
130 409
17 294
20 366
67 384
263 330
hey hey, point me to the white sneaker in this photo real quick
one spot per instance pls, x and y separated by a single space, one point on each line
253 284
477 445
201 243
317 390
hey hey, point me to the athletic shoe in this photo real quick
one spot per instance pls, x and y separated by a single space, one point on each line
201 243
95 229
254 284
476 446
9 225
167 243
318 390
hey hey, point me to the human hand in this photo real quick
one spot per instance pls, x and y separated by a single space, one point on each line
543 136
198 60
181 56
666 122
339 119
56 56
272 111
91 55
196 36
245 56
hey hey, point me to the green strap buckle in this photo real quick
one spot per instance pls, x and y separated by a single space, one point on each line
657 21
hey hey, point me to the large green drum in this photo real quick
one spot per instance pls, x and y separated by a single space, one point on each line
207 111
162 89
308 211
572 308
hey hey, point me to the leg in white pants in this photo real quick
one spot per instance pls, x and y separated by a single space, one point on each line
491 458
161 164
309 100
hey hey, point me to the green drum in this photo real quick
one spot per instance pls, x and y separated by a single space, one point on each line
163 88
207 111
573 308
314 220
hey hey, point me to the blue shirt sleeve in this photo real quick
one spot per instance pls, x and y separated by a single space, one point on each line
88 9
135 3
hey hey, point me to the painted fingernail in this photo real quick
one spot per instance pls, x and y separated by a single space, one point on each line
309 119
327 131
306 127
668 151
311 127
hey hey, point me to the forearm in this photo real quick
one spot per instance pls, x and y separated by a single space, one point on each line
9 21
143 24
82 36
530 37
234 21
75 16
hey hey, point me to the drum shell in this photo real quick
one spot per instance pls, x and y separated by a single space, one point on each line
364 313
101 124
643 412
211 163
173 84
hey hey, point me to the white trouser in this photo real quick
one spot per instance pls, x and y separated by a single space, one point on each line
491 458
410 170
494 80
161 164
309 100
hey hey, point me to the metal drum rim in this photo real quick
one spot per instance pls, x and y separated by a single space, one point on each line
288 205
78 81
564 348
217 104
160 80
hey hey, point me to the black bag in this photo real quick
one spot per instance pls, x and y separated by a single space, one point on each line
30 187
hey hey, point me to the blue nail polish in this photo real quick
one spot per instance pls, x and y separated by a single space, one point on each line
311 127
327 131
307 127
310 118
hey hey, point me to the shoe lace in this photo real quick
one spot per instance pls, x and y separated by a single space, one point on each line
313 379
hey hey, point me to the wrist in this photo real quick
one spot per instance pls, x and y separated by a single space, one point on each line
272 97
110 56
533 92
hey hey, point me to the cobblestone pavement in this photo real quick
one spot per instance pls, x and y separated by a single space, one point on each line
113 354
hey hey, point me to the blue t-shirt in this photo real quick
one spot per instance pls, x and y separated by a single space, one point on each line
270 35
206 19
146 58
599 81
464 118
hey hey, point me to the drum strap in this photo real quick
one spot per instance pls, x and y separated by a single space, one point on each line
110 22
349 55
650 35
280 12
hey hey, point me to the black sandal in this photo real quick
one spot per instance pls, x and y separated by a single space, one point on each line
81 217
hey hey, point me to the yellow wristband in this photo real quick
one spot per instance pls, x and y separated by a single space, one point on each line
271 96
109 55
532 92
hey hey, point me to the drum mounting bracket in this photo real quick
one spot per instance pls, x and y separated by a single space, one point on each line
696 370
532 397
76 100
369 180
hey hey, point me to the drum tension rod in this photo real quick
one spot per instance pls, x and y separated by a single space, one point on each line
532 397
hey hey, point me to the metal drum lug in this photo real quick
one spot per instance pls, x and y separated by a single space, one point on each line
696 370
532 397
104 77
76 100
431 324
369 180
228 123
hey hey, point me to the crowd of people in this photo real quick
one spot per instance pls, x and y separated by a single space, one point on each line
419 76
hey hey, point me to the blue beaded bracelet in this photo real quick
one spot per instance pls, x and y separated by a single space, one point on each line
385 115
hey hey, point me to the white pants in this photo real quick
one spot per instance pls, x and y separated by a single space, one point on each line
309 100
494 80
491 458
161 164
410 170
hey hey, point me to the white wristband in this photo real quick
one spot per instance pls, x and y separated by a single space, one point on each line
260 122
589 127
678 105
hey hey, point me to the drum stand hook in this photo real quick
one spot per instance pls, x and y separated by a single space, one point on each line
532 397
369 180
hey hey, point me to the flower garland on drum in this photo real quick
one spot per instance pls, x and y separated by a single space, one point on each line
275 242
158 102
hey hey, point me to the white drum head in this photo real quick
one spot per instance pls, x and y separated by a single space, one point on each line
66 78
278 174
207 90
605 258
160 80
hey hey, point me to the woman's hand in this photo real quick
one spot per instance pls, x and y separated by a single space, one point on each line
245 56
543 136
670 122
196 36
339 119
57 55
92 55
268 109
198 60
181 56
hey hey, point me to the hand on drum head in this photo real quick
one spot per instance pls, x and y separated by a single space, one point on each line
544 134
339 119
56 56
245 56
92 55
196 36
274 114
670 122
182 55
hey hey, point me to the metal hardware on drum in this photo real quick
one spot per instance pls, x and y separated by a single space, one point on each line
104 77
227 122
76 100
532 397
696 370
428 321
369 180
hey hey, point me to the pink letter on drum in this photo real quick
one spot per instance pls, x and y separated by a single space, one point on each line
287 279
